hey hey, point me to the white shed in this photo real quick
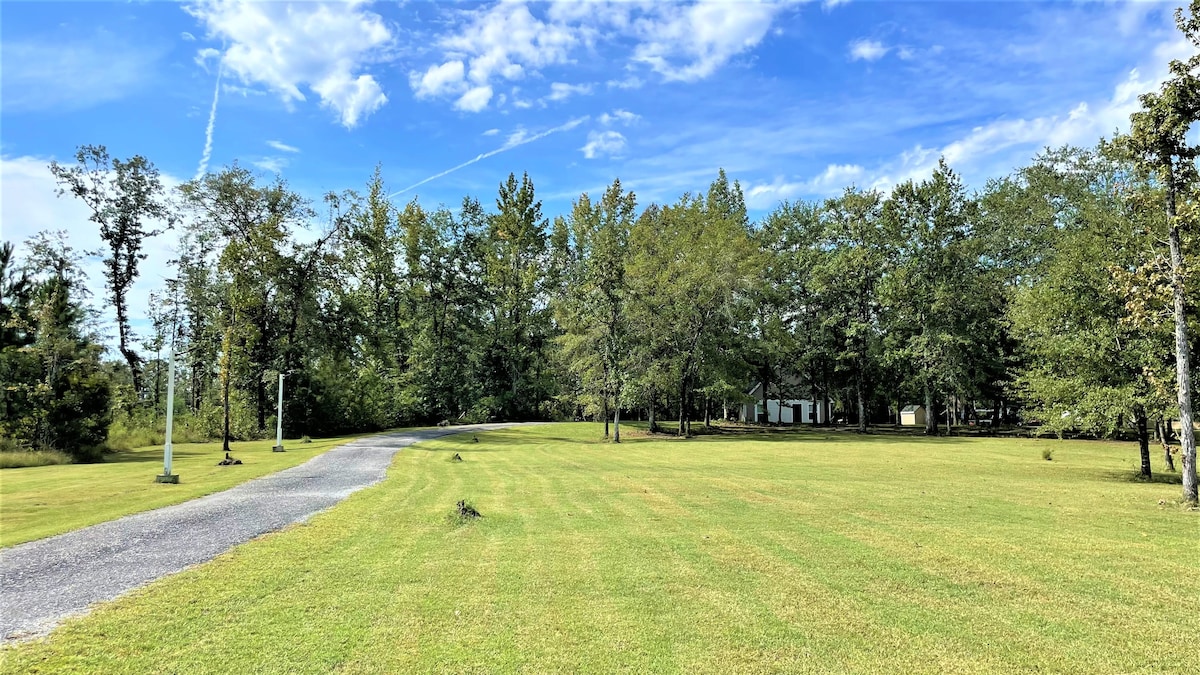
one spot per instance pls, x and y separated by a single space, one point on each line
913 416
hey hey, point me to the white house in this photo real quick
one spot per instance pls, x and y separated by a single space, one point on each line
788 411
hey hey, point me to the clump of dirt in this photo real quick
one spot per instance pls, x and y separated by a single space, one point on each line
228 461
456 458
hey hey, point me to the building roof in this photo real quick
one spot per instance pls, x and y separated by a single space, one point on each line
912 408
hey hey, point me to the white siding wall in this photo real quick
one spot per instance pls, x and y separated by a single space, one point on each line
750 411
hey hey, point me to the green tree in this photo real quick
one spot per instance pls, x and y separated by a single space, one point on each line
1088 368
252 223
592 310
690 262
1159 146
59 397
936 295
848 282
122 196
514 257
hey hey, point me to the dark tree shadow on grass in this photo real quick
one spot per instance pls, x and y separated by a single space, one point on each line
1158 478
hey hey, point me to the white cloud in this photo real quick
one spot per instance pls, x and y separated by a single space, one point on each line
244 92
867 50
203 56
475 99
502 42
1083 124
561 91
283 147
679 41
627 83
491 132
271 164
610 143
187 36
829 182
323 47
619 115
439 80
688 43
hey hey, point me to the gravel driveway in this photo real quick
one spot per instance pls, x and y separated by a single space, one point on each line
45 581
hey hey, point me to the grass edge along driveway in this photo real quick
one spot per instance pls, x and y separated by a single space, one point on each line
42 501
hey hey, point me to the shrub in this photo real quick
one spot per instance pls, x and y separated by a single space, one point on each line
25 458
144 427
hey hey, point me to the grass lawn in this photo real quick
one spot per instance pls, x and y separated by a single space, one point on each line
821 552
41 501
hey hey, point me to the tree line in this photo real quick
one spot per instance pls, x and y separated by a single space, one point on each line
1061 289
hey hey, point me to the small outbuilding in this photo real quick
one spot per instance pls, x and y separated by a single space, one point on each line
913 416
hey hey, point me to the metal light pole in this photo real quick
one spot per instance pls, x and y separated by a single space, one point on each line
279 420
167 476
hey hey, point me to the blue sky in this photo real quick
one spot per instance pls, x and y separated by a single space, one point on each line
794 99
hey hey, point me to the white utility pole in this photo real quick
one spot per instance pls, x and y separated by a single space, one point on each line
279 420
167 476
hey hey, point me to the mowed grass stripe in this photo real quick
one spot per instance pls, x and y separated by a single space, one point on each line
594 557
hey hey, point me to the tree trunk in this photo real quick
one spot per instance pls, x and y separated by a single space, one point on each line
1165 442
862 407
1143 434
260 393
691 405
617 424
995 413
1183 372
766 407
225 407
682 404
605 414
707 416
650 413
157 383
931 424
130 354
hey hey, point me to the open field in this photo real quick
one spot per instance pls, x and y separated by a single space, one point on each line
42 501
789 553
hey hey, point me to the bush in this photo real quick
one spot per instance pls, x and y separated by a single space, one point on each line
25 458
144 427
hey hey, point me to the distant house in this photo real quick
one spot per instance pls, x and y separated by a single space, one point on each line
913 416
788 411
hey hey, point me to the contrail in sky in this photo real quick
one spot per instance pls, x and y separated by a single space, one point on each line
212 121
515 141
